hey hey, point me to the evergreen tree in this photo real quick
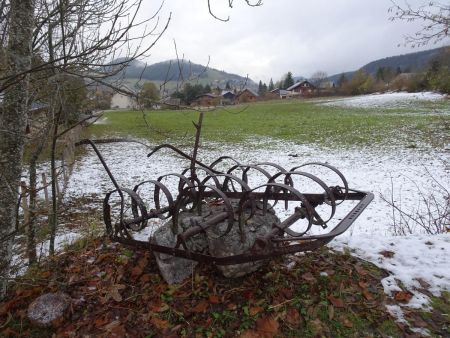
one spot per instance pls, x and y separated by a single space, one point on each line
260 88
207 89
271 86
227 86
288 81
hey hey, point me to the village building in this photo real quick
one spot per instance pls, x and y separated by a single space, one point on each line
228 97
206 100
122 101
303 88
246 95
280 93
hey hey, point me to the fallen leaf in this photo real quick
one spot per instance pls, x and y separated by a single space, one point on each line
160 323
317 327
250 334
254 310
136 271
403 296
360 270
145 278
99 322
347 323
46 274
309 277
115 329
418 322
337 302
367 294
214 299
248 294
267 326
362 285
4 307
330 312
287 293
387 253
8 332
103 257
159 307
114 292
231 306
293 317
201 307
142 263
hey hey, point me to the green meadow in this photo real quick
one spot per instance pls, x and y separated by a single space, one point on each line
298 121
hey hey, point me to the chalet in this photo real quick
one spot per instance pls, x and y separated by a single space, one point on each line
246 95
302 88
281 93
228 97
206 100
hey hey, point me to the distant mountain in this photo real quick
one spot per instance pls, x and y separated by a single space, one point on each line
407 63
174 71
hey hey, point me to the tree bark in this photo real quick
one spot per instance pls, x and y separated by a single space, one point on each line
13 120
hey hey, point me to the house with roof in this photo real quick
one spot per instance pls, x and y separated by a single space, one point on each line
228 97
120 100
246 95
281 93
206 100
302 88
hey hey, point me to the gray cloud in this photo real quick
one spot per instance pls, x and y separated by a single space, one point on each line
283 35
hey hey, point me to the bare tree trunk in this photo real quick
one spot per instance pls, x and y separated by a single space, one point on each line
40 141
13 120
54 214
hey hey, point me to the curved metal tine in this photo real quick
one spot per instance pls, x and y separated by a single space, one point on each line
183 180
229 172
245 168
332 168
298 194
329 194
180 203
228 177
111 176
119 228
209 173
158 186
227 203
222 158
287 179
137 202
178 151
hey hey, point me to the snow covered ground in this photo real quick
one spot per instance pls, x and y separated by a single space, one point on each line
401 174
385 100
389 172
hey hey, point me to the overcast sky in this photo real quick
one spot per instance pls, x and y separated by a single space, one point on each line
301 36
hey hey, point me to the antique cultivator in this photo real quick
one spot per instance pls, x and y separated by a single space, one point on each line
228 196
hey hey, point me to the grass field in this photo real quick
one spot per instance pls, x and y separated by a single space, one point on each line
299 121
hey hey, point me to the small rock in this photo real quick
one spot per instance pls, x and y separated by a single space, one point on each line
48 309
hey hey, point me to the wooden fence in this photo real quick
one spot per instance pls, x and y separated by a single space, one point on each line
67 159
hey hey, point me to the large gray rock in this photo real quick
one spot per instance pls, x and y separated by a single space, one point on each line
239 240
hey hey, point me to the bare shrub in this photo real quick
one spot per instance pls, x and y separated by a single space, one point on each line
431 214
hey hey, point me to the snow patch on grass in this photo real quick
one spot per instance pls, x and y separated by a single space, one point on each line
385 100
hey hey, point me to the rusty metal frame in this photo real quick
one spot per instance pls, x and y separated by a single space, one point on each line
230 190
